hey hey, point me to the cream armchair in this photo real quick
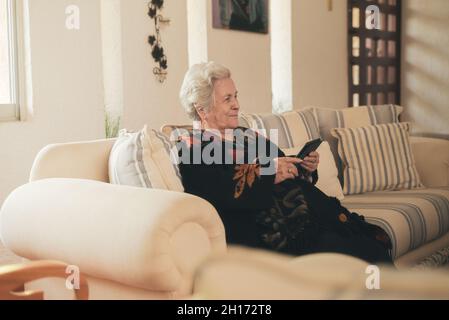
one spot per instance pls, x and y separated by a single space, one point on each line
243 274
130 242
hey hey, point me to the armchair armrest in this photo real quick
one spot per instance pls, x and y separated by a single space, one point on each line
432 160
146 238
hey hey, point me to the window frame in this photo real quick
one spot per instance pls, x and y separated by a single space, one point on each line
11 111
362 88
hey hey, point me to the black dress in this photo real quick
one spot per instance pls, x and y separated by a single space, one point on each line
293 217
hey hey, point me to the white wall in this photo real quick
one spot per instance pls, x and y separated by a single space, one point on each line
68 70
425 65
146 101
197 11
317 72
67 88
248 56
320 74
111 35
281 55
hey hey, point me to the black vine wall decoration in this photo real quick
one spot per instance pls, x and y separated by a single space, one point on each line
155 41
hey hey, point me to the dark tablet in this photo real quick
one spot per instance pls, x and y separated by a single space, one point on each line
309 147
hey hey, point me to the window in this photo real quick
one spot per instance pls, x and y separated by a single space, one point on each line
374 54
9 84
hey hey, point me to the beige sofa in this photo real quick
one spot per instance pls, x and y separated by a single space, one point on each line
416 220
145 243
426 210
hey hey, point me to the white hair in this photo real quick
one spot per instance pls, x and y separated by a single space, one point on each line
198 86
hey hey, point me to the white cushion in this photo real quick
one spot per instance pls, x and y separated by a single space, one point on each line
143 159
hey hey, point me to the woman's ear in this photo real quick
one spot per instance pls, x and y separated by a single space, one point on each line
201 112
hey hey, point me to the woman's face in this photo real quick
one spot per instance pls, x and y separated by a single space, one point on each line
224 112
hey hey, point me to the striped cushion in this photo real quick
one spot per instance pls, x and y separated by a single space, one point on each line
294 128
328 119
410 217
377 158
143 159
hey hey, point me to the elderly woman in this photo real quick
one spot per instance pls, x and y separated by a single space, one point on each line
278 210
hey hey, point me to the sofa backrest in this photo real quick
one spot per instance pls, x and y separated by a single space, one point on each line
82 160
351 118
294 128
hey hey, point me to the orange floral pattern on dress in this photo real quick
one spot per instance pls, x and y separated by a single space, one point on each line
246 175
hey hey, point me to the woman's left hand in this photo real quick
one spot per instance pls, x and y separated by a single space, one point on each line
310 162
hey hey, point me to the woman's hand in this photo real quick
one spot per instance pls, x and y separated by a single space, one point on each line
286 168
310 162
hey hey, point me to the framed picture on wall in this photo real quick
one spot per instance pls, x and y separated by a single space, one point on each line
243 15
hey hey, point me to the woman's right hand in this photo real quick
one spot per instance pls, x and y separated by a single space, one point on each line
286 168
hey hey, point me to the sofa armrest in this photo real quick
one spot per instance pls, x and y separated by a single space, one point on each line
432 160
147 238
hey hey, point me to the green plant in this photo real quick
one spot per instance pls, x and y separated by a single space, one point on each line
112 126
